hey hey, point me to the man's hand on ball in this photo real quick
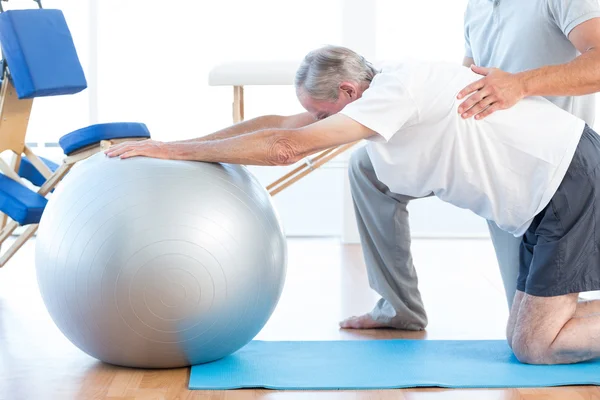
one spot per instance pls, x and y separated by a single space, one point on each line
498 90
142 148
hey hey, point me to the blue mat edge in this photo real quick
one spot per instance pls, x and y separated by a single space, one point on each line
384 387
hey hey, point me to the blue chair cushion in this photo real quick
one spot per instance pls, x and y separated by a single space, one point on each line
29 172
40 53
19 203
95 133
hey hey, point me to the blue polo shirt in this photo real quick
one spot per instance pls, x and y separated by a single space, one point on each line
519 35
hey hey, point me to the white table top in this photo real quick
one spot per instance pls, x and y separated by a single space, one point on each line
246 73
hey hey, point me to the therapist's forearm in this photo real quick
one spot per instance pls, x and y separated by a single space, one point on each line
263 147
576 78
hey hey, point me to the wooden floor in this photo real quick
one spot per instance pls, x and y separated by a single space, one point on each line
326 282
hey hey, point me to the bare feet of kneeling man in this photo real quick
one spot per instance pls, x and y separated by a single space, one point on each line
364 321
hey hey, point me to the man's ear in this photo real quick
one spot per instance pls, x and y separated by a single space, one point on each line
349 89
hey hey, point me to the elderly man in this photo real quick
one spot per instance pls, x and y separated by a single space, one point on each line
538 48
533 169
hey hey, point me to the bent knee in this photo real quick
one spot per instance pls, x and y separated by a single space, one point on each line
359 163
509 337
530 351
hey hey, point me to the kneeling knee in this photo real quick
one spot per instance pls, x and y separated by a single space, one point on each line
358 161
530 351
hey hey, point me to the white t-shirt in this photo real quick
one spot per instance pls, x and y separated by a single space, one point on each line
505 168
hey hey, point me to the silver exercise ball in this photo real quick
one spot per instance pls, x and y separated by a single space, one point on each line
159 264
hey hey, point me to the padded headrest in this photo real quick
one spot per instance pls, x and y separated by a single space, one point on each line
40 53
93 134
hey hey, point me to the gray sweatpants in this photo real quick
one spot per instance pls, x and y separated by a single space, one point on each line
382 218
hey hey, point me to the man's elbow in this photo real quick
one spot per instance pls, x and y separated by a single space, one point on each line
285 152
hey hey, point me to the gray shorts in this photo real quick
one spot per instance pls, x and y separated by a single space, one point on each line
560 251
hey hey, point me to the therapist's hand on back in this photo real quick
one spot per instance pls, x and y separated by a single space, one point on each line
498 90
145 148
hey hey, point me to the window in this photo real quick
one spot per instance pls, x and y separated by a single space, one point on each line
426 30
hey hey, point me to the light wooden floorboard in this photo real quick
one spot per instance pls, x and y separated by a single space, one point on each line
326 282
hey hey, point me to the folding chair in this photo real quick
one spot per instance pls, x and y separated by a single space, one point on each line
39 59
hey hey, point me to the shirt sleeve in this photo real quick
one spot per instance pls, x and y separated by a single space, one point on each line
567 14
468 51
385 107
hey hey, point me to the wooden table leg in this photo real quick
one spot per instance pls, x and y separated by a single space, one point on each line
238 104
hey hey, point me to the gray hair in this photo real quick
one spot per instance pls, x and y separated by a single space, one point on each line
322 71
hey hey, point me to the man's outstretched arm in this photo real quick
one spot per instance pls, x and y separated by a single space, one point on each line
261 147
256 124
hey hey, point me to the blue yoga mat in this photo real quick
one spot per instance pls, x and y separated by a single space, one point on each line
383 364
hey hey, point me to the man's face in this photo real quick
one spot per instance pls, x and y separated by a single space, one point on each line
321 109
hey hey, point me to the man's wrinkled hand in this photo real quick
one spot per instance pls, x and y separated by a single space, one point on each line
142 148
498 90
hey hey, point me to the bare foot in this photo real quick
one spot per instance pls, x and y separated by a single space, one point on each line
363 322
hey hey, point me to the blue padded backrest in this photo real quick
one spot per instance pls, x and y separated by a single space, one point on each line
40 53
31 173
